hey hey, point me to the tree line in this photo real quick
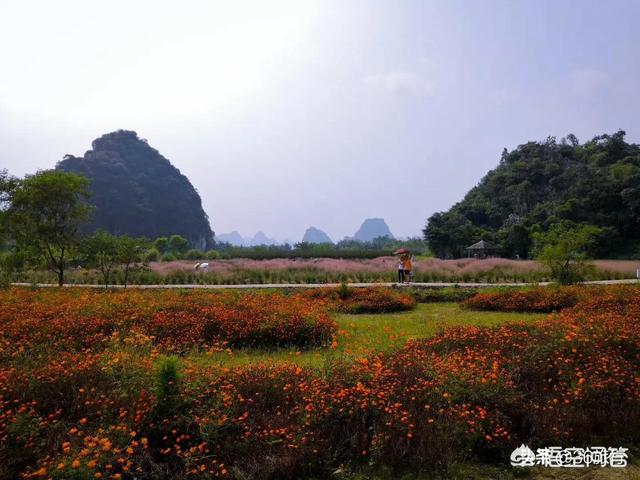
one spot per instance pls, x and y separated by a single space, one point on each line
41 217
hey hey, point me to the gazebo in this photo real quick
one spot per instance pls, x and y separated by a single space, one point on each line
481 249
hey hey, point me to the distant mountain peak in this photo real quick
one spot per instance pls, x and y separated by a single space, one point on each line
372 228
261 239
237 240
315 235
234 238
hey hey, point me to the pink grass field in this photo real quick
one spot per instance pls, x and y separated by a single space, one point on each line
382 264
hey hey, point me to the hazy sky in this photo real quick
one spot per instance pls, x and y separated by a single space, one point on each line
298 113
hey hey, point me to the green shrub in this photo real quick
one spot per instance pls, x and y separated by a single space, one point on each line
194 254
565 251
168 257
213 255
178 244
168 377
344 291
161 244
152 255
167 385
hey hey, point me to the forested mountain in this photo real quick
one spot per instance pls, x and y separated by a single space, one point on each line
137 191
540 183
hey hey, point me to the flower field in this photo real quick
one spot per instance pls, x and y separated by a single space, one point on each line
361 300
90 388
66 320
541 299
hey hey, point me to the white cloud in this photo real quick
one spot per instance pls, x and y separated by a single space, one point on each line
400 83
587 81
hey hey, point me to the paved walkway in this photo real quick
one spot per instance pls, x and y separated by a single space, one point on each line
324 285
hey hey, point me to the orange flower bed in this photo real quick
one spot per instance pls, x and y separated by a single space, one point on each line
75 320
537 299
362 300
467 393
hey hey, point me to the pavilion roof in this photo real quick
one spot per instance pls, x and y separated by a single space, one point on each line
482 245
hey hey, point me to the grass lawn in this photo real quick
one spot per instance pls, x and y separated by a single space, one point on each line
360 335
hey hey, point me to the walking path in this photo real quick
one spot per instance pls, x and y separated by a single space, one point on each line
324 285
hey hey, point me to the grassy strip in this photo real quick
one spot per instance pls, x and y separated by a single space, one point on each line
364 334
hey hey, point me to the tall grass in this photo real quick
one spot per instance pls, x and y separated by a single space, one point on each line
326 270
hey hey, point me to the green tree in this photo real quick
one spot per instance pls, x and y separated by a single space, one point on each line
151 255
161 244
130 250
8 185
101 251
195 254
178 245
564 249
10 260
448 234
514 240
45 215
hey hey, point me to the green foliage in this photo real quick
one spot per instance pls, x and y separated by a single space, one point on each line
161 244
212 255
130 250
564 249
8 184
541 183
151 255
11 261
101 251
168 257
378 247
104 251
167 377
5 278
167 385
45 215
194 254
344 291
177 244
138 192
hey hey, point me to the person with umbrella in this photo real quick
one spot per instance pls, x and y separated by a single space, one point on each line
404 264
408 268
